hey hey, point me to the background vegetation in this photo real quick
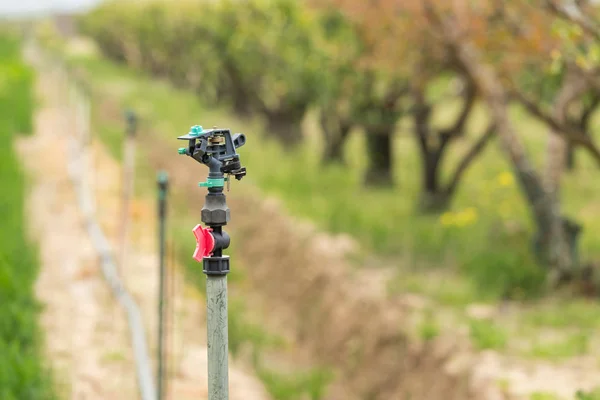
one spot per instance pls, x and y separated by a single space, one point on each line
462 155
401 146
23 374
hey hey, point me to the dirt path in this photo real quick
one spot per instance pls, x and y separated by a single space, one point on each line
81 340
87 337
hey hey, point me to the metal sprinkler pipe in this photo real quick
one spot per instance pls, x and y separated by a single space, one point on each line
216 149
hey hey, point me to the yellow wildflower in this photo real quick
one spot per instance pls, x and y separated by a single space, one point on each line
466 217
506 179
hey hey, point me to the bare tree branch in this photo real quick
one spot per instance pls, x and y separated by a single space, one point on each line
469 157
569 132
590 77
469 102
586 114
495 96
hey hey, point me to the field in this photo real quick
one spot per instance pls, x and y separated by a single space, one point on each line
479 251
468 268
23 372
473 278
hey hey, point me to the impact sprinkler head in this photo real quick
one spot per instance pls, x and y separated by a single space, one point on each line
217 149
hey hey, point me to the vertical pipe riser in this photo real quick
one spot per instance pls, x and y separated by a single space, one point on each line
215 148
216 295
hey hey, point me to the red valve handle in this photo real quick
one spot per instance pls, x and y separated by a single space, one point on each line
205 242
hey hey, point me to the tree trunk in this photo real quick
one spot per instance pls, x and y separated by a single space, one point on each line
335 132
554 248
556 244
380 148
434 196
557 150
545 253
240 104
285 127
236 90
583 123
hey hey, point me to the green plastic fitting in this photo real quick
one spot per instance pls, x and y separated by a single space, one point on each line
212 182
196 130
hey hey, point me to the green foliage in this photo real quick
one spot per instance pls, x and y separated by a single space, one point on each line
259 55
593 395
506 269
310 385
22 371
543 396
429 328
280 57
486 335
583 314
485 235
574 345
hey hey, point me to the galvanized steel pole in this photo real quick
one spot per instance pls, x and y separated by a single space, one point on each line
218 375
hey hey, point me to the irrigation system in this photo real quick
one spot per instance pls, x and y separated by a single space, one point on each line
215 148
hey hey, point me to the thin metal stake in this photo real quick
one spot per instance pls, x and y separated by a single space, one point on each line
163 181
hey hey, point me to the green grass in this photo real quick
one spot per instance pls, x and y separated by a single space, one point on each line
429 328
583 314
23 374
486 335
309 385
593 395
543 396
576 344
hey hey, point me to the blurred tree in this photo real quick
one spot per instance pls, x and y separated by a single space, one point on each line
273 60
434 142
258 56
580 118
556 238
357 93
341 82
422 60
378 108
